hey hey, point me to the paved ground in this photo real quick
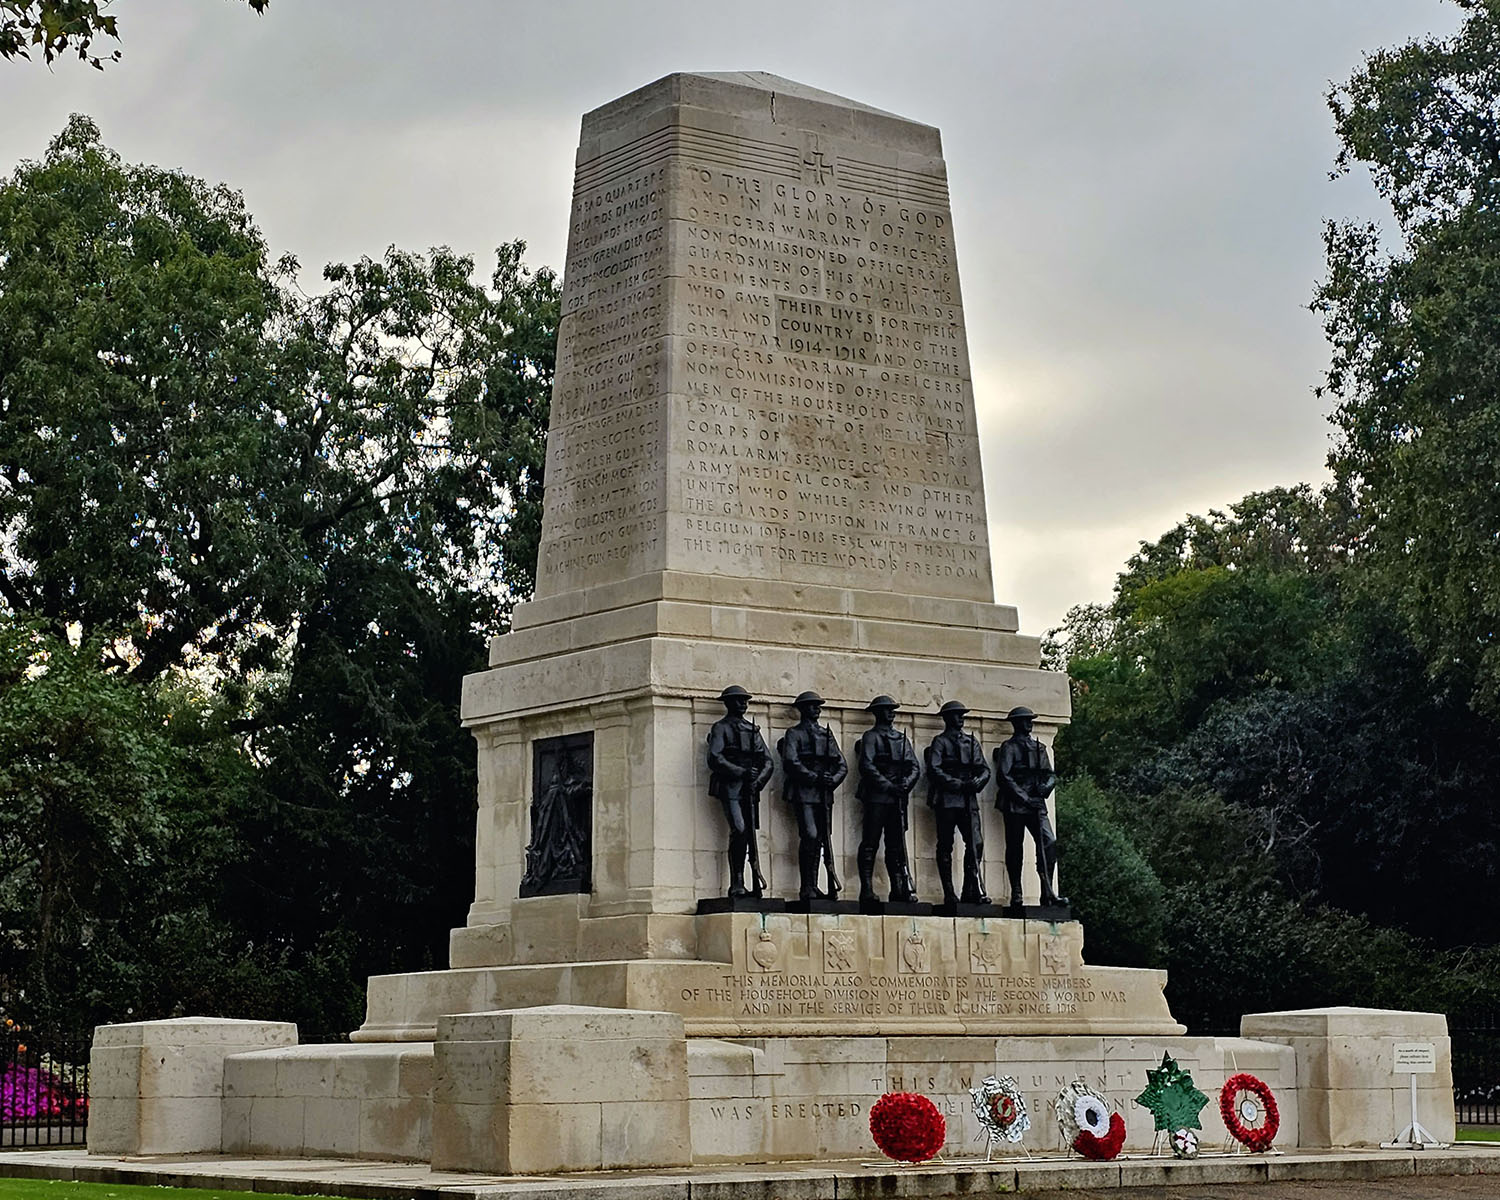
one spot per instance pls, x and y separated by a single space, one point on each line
1460 1187
1457 1173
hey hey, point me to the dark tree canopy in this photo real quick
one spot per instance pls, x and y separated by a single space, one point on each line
188 444
1257 742
251 540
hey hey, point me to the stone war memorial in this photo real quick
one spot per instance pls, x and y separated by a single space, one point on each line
763 486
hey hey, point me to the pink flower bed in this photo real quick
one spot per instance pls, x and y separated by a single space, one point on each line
30 1094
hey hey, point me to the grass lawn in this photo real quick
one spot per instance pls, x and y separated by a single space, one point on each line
1479 1133
62 1189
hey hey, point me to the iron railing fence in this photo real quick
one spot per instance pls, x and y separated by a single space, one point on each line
1476 1066
44 1087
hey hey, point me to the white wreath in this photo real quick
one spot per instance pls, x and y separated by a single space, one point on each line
987 1097
1080 1109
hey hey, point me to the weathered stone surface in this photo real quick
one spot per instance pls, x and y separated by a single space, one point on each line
1351 1094
359 1101
762 367
813 1095
560 1088
156 1086
816 974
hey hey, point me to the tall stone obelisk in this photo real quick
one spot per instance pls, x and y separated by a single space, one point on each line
763 469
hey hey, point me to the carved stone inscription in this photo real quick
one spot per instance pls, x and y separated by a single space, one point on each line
828 426
905 994
819 968
763 369
605 443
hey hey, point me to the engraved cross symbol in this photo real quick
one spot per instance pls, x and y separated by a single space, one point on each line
818 166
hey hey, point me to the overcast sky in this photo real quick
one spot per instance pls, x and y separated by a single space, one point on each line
1138 191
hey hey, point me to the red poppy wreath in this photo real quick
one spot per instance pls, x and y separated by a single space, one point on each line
907 1127
1249 1112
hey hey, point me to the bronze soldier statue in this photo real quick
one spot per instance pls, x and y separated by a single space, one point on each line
956 774
1023 775
739 764
814 766
888 771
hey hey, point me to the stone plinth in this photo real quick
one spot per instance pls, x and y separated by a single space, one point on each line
337 1101
155 1087
560 1088
649 699
801 974
1350 1093
563 1087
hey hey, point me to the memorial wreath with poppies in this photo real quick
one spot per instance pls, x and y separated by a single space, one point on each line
907 1127
1249 1111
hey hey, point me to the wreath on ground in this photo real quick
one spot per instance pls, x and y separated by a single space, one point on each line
1087 1125
1000 1108
907 1127
1249 1112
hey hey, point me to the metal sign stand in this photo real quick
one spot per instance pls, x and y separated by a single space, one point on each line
1412 1059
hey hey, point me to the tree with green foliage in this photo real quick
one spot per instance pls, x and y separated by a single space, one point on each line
1270 748
313 506
1415 370
56 27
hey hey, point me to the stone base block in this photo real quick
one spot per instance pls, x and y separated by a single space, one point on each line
1351 1094
809 1098
156 1086
560 1088
370 1101
816 974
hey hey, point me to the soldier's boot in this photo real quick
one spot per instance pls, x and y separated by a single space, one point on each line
945 877
866 862
757 880
737 850
1044 866
807 865
902 889
974 892
1015 889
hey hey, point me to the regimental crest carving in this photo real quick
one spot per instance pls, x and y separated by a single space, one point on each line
986 954
838 951
915 954
765 951
1055 958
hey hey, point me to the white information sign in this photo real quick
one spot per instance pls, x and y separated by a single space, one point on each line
1415 1058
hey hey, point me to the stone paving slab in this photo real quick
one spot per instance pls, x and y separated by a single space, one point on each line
1462 1171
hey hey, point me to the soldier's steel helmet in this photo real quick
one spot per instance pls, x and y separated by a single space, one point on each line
954 706
807 698
1020 711
881 701
734 690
